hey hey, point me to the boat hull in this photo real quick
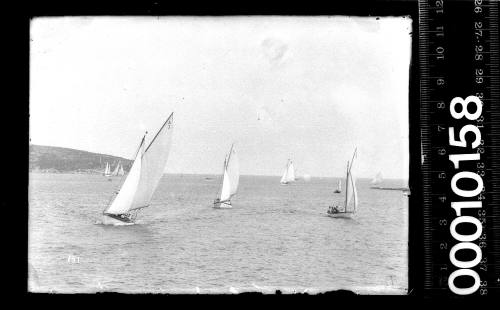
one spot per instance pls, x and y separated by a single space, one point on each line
390 188
345 215
108 220
337 192
222 205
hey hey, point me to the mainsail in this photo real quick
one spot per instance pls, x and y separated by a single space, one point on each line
289 174
231 176
351 191
146 172
339 186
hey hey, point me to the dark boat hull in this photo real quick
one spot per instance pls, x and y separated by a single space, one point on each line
116 220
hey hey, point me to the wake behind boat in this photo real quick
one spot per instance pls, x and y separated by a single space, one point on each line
230 181
351 195
140 184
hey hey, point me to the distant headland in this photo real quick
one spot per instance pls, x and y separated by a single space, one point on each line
51 159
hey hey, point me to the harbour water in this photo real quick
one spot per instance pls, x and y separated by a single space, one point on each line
275 238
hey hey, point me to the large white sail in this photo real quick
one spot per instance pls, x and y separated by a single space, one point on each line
225 192
231 176
154 161
125 198
351 192
151 166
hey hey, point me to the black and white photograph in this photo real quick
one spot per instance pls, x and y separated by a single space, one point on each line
219 154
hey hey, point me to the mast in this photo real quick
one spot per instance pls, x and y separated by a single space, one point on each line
346 187
355 196
347 180
229 155
224 172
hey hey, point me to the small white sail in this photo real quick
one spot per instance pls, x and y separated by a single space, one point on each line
289 174
377 179
117 168
231 176
284 177
107 171
339 186
144 176
120 171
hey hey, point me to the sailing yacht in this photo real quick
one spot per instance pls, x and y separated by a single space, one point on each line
339 188
289 174
230 181
351 196
376 181
140 184
107 170
118 170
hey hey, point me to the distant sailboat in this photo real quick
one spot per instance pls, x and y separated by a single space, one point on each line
118 170
230 180
339 187
376 180
143 178
107 170
351 196
289 174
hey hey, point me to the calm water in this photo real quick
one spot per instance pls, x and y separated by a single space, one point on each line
275 237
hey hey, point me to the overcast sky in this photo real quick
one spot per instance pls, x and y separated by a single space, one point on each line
306 88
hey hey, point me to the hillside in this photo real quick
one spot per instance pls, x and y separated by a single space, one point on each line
58 159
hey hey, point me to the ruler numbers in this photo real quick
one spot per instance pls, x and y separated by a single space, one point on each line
457 218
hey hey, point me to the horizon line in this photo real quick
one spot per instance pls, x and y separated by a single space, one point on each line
270 175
